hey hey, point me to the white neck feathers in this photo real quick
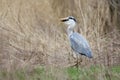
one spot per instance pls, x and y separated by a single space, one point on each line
70 30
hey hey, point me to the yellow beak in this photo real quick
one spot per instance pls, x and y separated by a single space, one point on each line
63 19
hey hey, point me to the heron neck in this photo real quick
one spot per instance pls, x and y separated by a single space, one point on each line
70 30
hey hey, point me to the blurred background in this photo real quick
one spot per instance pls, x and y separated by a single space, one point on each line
31 33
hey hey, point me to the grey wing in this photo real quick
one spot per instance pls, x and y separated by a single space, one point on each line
80 45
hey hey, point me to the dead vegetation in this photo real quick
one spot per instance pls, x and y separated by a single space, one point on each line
31 34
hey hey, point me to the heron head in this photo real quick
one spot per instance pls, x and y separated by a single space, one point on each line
70 20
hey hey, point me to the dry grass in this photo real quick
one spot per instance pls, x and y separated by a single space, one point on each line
31 34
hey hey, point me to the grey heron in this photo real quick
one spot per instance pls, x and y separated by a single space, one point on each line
78 43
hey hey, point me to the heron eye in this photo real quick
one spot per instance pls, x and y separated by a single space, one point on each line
71 18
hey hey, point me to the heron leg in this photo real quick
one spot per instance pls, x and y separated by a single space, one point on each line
77 65
76 57
77 61
80 60
69 58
